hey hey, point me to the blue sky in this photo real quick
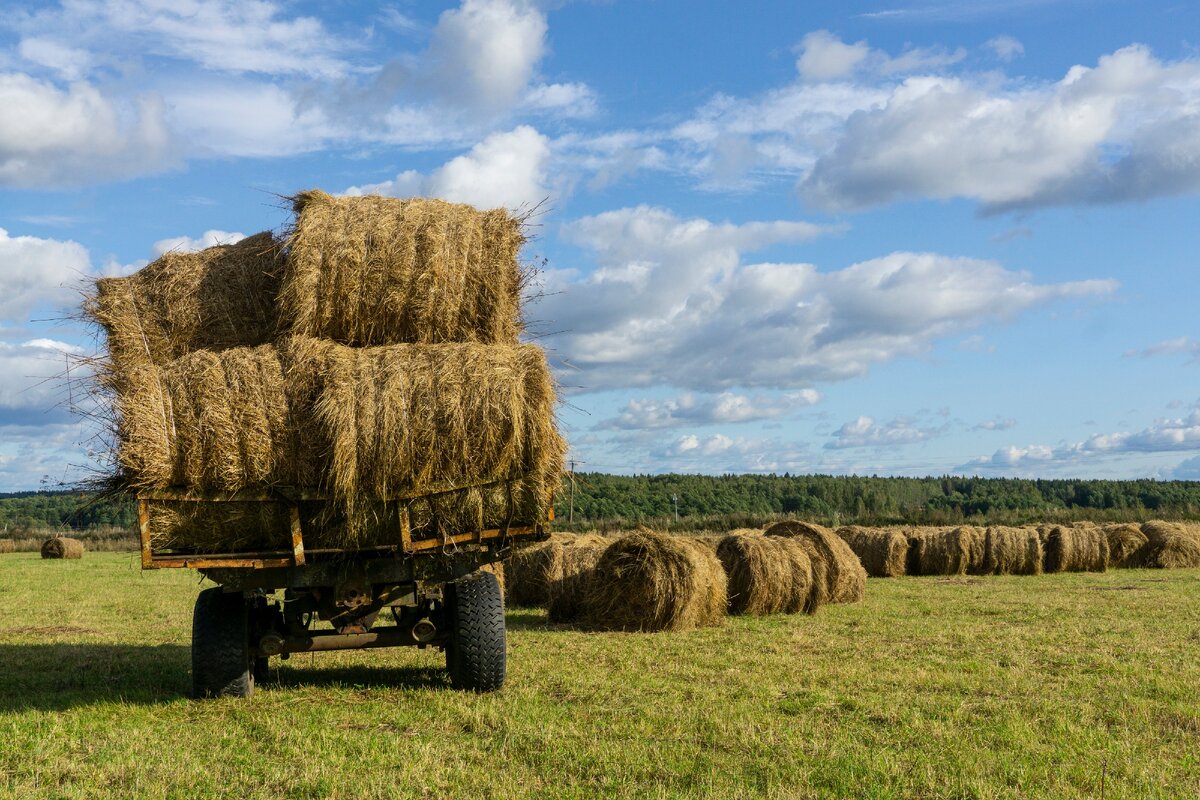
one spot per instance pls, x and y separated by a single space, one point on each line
893 237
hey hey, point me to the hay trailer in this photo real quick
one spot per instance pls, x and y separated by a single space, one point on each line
265 603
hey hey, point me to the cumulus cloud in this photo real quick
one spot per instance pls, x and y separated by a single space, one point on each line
61 137
37 272
505 169
1006 48
33 390
823 57
186 244
672 303
723 408
866 432
1188 470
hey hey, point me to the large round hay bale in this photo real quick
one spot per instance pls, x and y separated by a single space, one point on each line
883 553
759 573
650 581
1076 549
1126 545
1012 551
844 577
975 546
803 598
531 570
1170 546
566 595
62 547
943 551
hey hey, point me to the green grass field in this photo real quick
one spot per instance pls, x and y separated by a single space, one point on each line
1063 686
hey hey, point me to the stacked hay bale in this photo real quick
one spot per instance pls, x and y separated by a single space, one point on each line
373 356
767 575
883 553
62 547
837 574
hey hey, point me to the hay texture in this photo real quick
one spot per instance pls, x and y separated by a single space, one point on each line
1076 549
883 553
409 420
214 299
531 570
380 270
1170 546
651 581
837 574
567 595
62 547
1012 551
766 575
949 551
8 546
1126 545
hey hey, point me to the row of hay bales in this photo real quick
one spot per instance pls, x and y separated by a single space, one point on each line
1029 550
372 353
651 581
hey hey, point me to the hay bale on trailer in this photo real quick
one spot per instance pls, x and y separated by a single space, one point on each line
1012 551
1126 545
651 581
1076 549
62 547
883 553
214 299
567 594
1170 546
837 574
380 270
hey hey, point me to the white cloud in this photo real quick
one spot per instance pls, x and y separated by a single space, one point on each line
724 408
38 272
1126 129
34 390
1188 470
51 136
866 432
825 57
505 169
186 244
485 52
671 303
70 63
564 99
997 424
1006 48
1184 345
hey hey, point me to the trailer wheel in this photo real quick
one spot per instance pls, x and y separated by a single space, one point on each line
475 651
222 665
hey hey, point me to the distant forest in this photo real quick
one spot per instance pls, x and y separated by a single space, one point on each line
595 499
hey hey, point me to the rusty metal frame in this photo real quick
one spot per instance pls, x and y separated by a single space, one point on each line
297 556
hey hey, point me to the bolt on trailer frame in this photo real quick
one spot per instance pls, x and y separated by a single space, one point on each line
431 585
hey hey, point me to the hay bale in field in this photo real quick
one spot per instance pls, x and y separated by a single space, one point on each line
531 569
844 578
883 553
1126 544
1170 546
567 594
758 572
62 547
650 581
214 299
380 270
1075 549
1012 551
975 545
8 546
942 552
420 419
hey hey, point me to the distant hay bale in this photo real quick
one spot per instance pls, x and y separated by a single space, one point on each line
942 552
1076 549
759 574
1170 546
975 545
8 546
1126 545
567 595
883 553
845 580
419 419
62 547
380 270
531 570
214 299
1012 551
650 581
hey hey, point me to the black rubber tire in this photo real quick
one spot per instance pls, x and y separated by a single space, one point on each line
262 670
476 652
222 665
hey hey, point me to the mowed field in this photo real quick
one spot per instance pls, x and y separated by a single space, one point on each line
1054 686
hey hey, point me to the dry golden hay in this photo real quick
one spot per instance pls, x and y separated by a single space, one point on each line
1012 551
219 421
497 569
845 580
224 527
1170 546
214 299
1075 549
883 553
942 552
1126 545
531 570
381 270
650 581
62 547
408 419
804 597
8 546
759 574
567 594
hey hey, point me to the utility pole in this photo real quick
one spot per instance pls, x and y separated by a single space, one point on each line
675 500
571 513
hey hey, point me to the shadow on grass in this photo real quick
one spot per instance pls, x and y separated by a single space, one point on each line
58 676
